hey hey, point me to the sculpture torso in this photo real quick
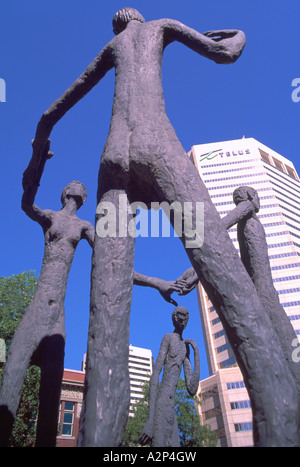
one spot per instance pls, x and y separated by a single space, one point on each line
176 354
141 139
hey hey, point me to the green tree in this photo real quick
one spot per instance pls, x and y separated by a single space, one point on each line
16 293
135 423
191 431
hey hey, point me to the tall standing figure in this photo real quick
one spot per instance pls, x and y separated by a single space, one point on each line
161 427
254 255
144 160
40 337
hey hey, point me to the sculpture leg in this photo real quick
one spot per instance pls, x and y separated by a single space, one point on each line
52 367
18 361
107 392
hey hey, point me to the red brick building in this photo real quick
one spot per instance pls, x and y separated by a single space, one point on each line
70 408
140 365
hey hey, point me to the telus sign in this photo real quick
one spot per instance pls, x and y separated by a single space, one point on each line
219 152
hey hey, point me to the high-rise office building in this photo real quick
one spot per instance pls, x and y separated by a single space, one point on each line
223 167
140 370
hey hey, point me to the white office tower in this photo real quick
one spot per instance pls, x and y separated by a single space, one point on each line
140 370
223 167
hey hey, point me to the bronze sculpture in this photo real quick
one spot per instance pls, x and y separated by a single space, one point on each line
144 161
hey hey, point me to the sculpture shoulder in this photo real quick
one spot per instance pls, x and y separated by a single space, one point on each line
48 213
166 339
168 336
165 22
84 224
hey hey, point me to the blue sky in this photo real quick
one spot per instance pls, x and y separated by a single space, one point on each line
44 48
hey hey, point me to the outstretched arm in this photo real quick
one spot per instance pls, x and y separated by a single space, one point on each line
240 212
86 81
29 194
165 288
245 208
224 46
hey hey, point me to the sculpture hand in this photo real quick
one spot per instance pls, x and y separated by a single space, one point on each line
186 289
221 34
33 172
147 433
181 283
166 288
187 281
186 286
46 153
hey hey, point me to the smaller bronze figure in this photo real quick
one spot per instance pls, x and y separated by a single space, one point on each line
161 428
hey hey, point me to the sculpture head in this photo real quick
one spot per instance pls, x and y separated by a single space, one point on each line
123 17
246 193
74 190
180 318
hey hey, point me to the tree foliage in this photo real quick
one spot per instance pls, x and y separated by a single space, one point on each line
135 423
16 292
191 431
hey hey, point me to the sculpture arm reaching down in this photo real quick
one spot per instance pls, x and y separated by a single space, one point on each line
192 377
165 288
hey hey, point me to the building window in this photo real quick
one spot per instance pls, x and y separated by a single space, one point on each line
210 392
278 164
211 413
236 385
215 321
228 363
288 304
240 405
286 184
294 317
287 278
231 178
285 266
219 334
247 426
223 347
68 419
291 172
265 156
